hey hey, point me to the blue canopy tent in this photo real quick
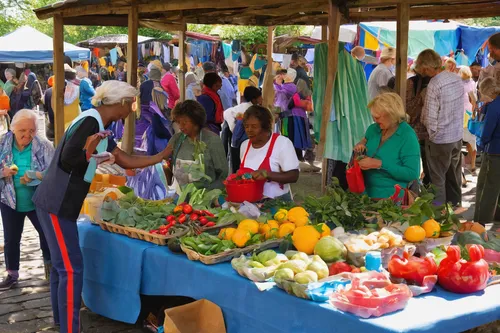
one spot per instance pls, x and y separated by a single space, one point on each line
28 45
474 38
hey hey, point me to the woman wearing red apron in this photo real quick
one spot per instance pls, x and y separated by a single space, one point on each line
269 157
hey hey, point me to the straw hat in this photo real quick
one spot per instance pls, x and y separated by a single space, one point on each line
388 53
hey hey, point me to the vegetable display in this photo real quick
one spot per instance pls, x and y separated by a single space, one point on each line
412 269
462 276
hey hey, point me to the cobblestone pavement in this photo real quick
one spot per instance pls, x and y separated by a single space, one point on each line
26 308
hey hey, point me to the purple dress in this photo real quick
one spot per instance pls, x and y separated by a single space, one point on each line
283 93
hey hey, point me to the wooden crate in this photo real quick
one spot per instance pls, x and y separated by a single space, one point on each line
228 255
140 234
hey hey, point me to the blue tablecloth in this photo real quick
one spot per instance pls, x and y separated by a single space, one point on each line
245 308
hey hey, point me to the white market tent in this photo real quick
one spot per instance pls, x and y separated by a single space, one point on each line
28 45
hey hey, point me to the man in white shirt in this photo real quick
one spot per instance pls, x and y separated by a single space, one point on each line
252 96
443 116
381 75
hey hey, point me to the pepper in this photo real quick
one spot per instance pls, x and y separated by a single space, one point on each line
182 218
198 212
210 224
194 217
203 220
412 269
178 209
187 209
154 232
170 218
207 213
339 267
461 276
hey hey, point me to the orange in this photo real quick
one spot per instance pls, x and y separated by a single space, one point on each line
286 229
241 237
111 195
305 238
250 225
432 228
415 234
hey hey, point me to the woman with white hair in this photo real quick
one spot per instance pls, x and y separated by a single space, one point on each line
488 183
390 150
10 84
24 157
60 196
381 75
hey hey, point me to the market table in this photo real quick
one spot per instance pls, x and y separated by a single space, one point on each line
118 269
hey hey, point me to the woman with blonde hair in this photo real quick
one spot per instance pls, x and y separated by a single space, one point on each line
390 150
469 139
59 198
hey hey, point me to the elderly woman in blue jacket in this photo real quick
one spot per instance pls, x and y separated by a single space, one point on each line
488 183
23 156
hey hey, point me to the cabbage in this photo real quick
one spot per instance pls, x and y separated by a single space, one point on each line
306 277
297 266
301 256
284 274
330 249
266 256
320 268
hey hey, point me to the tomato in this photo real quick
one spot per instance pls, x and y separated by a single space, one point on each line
339 267
203 220
194 217
198 212
412 269
170 218
182 218
187 209
464 277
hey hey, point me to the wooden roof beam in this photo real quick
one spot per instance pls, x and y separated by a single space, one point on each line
382 3
110 8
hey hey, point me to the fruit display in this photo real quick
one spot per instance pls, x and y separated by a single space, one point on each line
383 239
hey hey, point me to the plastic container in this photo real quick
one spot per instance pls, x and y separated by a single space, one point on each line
251 192
373 261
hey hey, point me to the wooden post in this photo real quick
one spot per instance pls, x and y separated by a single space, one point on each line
403 26
58 91
182 62
133 27
324 33
334 17
268 88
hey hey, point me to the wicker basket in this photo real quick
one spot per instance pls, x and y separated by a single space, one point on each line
140 234
230 254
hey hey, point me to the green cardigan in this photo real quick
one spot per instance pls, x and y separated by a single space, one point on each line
400 156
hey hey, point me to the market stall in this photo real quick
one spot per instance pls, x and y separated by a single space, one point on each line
355 261
154 270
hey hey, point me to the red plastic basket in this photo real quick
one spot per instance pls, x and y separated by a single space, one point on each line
251 192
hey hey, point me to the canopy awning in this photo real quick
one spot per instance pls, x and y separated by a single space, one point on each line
29 45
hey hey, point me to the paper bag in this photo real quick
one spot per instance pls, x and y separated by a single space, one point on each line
201 316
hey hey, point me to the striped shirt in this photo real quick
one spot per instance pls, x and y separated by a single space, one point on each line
443 112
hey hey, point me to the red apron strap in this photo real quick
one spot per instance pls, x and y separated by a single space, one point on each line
266 164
